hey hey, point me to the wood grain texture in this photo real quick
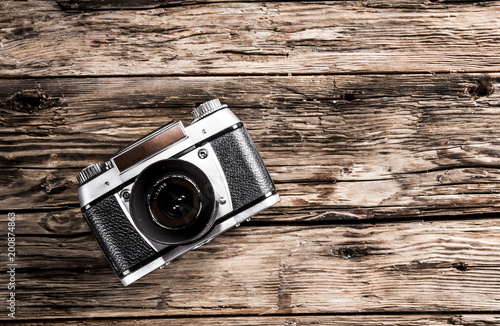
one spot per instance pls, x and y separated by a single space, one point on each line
93 5
40 39
378 120
339 147
398 267
355 320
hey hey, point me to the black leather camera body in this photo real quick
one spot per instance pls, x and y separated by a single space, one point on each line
174 190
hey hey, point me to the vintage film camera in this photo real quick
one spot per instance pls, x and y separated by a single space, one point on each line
174 190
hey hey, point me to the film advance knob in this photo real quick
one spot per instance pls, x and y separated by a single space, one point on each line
206 108
91 171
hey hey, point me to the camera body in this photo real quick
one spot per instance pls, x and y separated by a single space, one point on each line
174 190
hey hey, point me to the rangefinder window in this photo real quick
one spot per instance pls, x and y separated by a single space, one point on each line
164 138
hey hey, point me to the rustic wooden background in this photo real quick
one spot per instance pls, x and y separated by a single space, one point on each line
378 120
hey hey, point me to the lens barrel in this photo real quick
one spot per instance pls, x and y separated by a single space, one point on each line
173 202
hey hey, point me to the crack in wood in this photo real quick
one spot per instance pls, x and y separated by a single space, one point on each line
284 290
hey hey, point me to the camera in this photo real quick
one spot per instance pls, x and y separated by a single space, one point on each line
174 190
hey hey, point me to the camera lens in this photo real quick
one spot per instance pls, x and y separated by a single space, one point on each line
175 201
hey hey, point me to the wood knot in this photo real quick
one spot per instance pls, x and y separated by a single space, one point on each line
348 96
350 253
29 101
483 87
54 185
82 269
460 266
345 253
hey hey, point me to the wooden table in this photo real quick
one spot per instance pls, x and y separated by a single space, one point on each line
378 121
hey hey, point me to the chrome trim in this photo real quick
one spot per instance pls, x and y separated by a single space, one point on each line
134 276
210 165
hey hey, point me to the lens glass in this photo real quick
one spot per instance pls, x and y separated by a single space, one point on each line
174 201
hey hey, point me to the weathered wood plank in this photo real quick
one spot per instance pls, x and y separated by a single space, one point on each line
430 121
39 39
371 320
451 192
338 146
341 147
92 5
401 267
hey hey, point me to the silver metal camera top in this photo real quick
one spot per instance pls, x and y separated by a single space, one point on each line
206 108
92 170
149 144
112 177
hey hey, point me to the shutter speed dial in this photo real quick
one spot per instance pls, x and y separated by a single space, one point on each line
92 171
207 108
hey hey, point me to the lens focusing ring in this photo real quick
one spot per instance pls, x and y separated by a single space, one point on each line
148 184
